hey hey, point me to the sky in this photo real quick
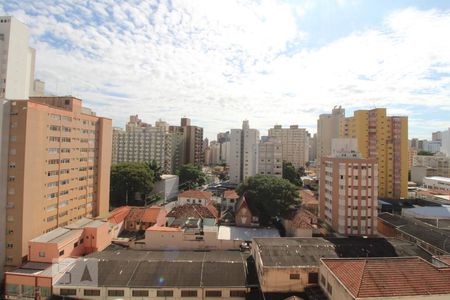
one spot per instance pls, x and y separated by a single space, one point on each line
221 62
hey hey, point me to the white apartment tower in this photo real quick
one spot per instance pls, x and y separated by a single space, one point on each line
243 153
270 160
328 127
140 142
294 141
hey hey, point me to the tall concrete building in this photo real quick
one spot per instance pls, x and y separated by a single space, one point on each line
141 142
223 138
294 142
348 186
270 157
192 143
214 154
436 136
386 139
59 158
445 142
313 147
243 153
328 128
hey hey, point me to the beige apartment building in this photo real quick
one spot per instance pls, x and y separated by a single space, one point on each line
186 143
386 139
294 142
328 128
59 159
270 161
140 142
427 166
348 199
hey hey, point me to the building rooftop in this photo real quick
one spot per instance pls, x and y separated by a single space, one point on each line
196 194
245 233
434 236
429 211
230 194
390 277
445 179
131 268
191 211
165 229
306 252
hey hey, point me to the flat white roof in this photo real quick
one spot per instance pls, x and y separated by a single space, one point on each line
245 233
446 179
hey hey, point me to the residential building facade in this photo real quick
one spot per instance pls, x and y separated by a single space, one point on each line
243 153
59 158
270 158
384 138
428 166
294 142
139 142
348 198
328 128
445 142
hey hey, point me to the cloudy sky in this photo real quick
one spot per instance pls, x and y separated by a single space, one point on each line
219 62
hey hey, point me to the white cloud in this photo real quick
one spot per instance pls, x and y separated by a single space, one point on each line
220 62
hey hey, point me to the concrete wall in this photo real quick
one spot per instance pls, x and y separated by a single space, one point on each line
152 293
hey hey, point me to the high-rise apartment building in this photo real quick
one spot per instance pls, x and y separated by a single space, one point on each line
59 158
313 147
445 142
214 154
141 142
294 142
243 153
436 136
270 157
328 128
18 61
223 138
429 166
348 187
386 139
192 142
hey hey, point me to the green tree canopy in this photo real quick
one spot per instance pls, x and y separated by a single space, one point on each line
156 169
191 177
423 152
272 196
289 173
127 179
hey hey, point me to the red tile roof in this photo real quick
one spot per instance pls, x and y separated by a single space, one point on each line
444 258
190 211
135 214
303 219
119 214
212 209
151 214
196 194
390 277
230 194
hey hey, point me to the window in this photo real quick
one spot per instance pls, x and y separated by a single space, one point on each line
240 294
68 292
91 292
294 276
27 290
166 293
12 289
75 244
61 252
116 293
189 293
216 294
329 288
45 292
139 293
41 253
322 279
313 277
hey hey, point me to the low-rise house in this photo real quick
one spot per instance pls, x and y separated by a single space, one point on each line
179 214
167 187
300 223
117 219
194 197
383 278
129 274
430 238
230 199
309 201
289 265
141 218
246 213
77 239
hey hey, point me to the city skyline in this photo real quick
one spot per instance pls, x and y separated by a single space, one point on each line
269 62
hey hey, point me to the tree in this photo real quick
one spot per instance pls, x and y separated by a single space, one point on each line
289 173
155 169
423 152
191 177
127 179
272 196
